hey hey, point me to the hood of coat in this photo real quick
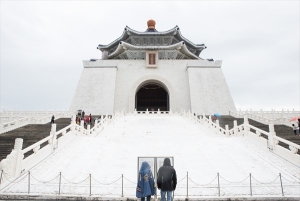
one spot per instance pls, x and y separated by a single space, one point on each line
167 162
145 167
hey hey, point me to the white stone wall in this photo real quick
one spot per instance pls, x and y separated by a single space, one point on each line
95 91
209 91
110 85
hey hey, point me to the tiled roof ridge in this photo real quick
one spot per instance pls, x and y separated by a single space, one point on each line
123 46
128 31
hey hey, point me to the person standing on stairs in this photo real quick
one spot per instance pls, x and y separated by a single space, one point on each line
52 119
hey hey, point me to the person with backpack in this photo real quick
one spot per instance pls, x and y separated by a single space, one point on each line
166 180
145 185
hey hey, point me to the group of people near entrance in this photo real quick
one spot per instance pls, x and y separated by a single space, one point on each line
166 181
86 119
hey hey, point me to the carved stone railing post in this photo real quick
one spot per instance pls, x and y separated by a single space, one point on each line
95 124
271 139
81 126
235 129
88 129
73 121
246 125
227 130
53 141
209 121
12 164
203 119
217 126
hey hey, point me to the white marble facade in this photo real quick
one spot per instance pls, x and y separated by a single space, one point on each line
106 86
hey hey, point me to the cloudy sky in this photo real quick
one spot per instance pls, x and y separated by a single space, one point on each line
43 44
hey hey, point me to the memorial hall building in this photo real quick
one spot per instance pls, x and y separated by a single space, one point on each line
152 70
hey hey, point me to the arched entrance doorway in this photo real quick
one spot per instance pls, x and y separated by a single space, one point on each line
153 96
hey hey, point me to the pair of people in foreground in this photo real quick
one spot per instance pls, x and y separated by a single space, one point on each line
166 181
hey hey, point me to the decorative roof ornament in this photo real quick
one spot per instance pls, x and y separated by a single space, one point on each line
151 26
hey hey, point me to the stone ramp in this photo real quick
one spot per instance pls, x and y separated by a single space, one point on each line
31 134
196 149
282 131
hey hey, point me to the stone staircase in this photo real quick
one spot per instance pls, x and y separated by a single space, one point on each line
282 131
31 134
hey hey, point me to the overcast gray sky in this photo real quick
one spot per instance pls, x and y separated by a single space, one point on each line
43 44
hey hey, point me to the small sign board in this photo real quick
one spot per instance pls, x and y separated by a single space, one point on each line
151 59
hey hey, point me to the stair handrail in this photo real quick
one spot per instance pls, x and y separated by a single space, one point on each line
272 140
105 120
259 130
8 126
291 144
260 116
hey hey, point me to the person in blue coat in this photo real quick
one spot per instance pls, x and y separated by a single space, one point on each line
145 185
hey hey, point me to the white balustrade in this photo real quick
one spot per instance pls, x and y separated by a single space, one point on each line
266 139
267 117
31 118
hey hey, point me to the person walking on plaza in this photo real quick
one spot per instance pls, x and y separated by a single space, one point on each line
52 119
295 129
91 119
83 114
166 180
145 185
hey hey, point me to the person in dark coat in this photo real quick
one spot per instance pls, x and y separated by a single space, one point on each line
145 184
52 120
166 180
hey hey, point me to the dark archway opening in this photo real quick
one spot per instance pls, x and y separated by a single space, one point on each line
152 96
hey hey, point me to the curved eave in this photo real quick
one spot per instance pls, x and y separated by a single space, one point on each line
128 31
175 31
123 46
171 31
124 36
196 46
